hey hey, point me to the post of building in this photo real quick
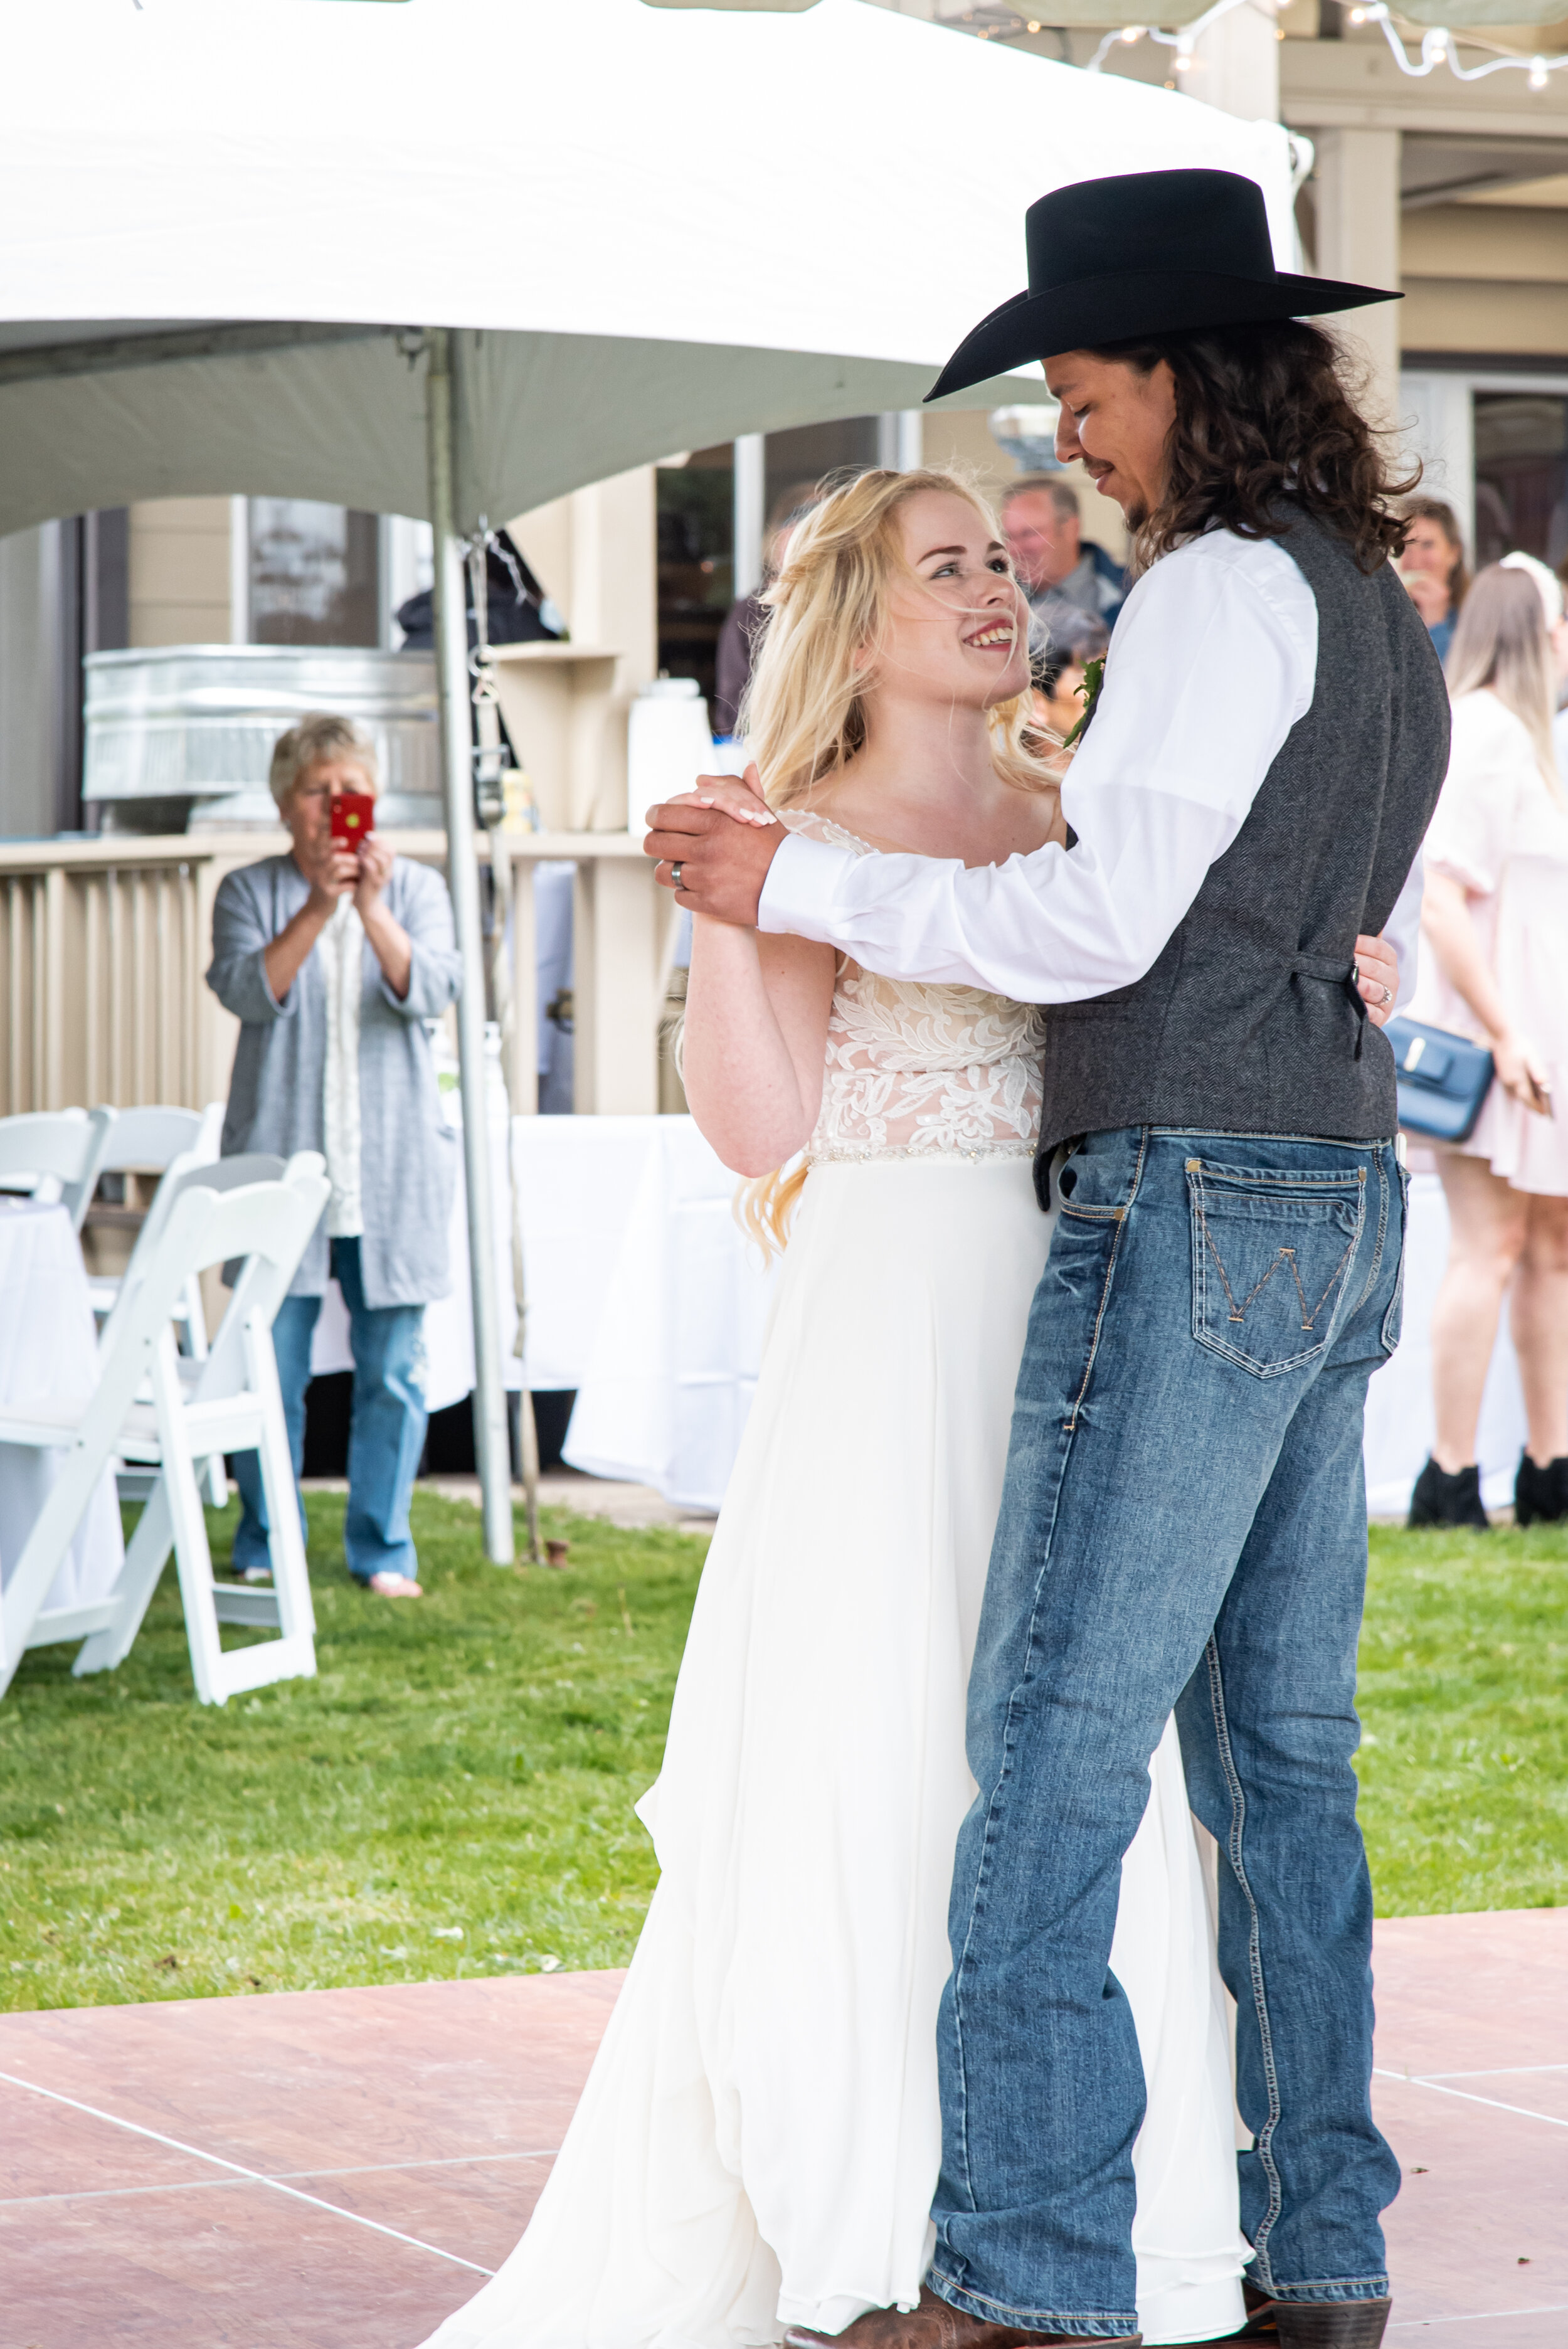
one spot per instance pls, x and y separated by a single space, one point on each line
750 501
1234 64
491 1449
899 439
1357 186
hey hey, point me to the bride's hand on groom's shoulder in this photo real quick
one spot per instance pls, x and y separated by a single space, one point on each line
1377 976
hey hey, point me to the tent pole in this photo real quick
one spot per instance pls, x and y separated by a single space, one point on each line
491 1446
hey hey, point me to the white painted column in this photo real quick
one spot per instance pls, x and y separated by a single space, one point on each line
901 440
1356 184
614 974
238 570
1236 64
751 497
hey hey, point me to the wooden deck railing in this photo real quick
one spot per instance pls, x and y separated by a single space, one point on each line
103 944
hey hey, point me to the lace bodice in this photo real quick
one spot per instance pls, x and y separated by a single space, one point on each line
916 1070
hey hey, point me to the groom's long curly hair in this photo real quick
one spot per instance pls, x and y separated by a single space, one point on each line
1265 414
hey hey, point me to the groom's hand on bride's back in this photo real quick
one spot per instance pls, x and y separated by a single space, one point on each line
724 837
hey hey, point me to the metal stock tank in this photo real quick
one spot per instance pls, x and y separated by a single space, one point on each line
181 738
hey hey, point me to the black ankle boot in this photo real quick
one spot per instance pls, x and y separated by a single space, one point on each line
1307 2325
1441 1499
1541 1495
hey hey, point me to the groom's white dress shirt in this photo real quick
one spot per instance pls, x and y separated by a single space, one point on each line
1214 660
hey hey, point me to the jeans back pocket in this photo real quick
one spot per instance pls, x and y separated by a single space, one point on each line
1271 1252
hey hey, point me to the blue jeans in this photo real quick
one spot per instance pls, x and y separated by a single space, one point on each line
1183 1527
385 1431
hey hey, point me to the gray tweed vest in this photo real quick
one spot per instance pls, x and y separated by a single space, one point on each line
1249 1021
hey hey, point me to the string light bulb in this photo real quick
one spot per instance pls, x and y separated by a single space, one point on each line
1538 76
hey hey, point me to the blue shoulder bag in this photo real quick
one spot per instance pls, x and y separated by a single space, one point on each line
1443 1080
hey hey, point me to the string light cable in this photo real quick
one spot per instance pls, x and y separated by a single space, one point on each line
1439 47
1183 42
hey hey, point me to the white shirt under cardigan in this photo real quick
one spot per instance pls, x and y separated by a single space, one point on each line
341 947
1214 660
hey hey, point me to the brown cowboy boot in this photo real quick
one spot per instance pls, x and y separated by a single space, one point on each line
934 2326
1308 2323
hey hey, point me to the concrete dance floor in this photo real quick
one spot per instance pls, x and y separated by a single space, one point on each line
336 2169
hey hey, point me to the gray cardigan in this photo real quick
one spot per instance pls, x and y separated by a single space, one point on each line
407 1151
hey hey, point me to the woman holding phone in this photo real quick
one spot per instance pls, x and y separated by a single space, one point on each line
1495 918
332 957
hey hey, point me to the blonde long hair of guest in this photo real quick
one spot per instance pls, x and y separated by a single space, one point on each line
803 714
1500 642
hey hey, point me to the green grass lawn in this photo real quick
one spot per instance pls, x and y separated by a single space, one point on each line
1464 1695
453 1794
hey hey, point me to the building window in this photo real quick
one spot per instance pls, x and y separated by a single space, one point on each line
696 521
312 573
1521 475
797 459
697 570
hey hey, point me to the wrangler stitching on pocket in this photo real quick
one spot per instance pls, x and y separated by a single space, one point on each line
1318 1195
1284 1256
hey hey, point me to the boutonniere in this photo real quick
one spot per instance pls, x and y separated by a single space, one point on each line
1089 693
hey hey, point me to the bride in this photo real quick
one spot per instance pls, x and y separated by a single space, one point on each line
756 2146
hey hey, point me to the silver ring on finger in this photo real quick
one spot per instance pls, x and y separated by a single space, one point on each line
1387 997
674 876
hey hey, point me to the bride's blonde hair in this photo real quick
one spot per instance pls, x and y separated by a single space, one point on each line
803 713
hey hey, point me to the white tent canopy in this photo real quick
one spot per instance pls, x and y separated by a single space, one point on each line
458 258
666 228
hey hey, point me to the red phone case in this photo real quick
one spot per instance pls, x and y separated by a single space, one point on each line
353 817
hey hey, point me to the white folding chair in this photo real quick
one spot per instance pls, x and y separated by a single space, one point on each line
55 1155
156 1138
134 1475
151 1135
230 1402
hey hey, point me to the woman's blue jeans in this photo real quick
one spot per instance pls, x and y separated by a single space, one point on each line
1183 1527
385 1431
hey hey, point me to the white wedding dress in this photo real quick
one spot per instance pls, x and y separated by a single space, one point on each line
758 2140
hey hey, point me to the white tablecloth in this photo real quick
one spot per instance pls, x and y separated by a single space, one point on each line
643 1295
673 1365
448 1323
47 1353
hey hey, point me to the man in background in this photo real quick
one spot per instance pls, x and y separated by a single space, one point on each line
1066 578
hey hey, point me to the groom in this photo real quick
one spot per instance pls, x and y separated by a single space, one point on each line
1184 1525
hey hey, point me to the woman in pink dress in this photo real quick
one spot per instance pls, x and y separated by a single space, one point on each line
1495 918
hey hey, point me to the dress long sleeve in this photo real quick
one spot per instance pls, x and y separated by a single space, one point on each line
436 968
237 973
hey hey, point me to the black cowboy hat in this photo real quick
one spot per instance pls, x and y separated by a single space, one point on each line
1144 253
